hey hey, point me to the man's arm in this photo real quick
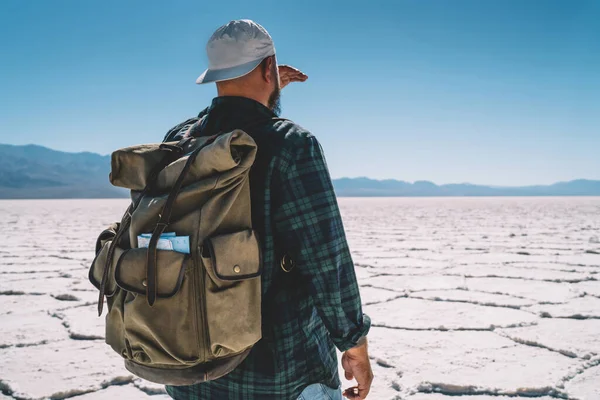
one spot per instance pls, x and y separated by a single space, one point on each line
308 221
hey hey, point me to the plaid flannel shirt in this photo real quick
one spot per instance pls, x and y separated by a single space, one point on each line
314 308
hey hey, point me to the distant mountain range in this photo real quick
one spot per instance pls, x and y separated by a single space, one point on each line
365 187
38 172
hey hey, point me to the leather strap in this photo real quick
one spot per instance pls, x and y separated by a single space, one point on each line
163 222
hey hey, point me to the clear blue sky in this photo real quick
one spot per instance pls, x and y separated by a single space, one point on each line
485 91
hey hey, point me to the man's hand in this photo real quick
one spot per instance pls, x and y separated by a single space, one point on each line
289 74
355 362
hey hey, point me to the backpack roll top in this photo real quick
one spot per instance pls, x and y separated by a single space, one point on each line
226 154
131 166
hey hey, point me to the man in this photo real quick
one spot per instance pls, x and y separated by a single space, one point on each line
311 303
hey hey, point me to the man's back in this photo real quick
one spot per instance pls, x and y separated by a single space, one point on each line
313 307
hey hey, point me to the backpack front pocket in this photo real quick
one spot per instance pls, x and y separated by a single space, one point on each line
233 292
167 332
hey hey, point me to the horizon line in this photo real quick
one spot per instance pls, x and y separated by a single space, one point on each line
494 186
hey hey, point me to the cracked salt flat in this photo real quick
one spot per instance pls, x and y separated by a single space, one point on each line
23 304
467 296
28 330
371 295
415 283
149 387
82 323
408 313
362 273
590 260
572 338
508 255
579 308
120 392
394 262
60 369
21 276
508 271
586 385
31 285
401 270
591 288
437 396
534 290
469 363
556 266
422 263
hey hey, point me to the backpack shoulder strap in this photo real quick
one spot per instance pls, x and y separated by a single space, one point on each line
175 133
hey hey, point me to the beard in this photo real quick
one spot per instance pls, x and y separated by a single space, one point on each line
275 101
275 97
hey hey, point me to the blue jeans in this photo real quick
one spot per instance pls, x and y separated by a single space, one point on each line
319 391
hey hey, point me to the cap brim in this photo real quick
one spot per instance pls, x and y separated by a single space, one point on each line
225 74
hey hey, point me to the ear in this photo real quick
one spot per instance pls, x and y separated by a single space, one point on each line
267 69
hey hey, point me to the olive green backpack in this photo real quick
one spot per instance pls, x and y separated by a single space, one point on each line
181 318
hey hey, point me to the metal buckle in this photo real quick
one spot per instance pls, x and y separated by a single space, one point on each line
290 263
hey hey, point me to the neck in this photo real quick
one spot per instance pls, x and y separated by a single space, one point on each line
238 92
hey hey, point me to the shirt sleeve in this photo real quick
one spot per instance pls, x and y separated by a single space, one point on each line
307 219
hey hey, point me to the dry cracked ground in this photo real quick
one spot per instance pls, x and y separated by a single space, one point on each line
485 298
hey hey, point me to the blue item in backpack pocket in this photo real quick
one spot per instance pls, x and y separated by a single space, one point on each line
166 234
180 243
167 241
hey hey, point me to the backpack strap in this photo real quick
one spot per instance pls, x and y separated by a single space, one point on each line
172 152
163 222
177 129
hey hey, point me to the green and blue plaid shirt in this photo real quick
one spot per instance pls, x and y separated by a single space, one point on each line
315 307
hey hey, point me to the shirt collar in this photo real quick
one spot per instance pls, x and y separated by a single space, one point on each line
243 104
230 112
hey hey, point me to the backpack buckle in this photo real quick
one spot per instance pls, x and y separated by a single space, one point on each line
287 264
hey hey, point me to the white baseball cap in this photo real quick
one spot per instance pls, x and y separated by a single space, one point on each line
236 49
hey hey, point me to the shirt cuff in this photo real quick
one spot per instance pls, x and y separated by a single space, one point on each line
352 339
